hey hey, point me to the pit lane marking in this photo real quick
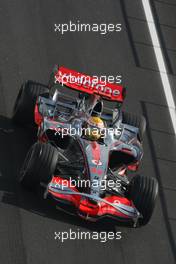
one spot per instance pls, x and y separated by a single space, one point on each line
160 61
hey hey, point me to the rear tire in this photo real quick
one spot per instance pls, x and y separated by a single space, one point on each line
138 121
23 111
143 192
52 76
39 165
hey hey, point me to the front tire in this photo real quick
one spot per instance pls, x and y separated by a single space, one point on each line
39 165
143 192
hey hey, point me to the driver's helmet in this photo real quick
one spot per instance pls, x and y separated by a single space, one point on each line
93 128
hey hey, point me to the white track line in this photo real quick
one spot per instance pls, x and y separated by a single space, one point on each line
160 62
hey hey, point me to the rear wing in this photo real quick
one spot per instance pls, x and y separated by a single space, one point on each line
88 84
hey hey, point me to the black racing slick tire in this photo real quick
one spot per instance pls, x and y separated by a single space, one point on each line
52 76
23 111
143 192
138 121
39 165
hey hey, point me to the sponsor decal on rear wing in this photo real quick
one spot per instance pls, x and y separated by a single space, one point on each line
89 85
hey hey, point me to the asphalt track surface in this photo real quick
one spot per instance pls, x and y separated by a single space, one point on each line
29 48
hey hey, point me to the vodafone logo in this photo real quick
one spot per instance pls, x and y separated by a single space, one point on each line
100 88
97 162
86 82
116 202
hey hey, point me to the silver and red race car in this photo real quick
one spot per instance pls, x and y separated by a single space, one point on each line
87 146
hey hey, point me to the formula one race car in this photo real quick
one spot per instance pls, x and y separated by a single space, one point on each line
86 148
